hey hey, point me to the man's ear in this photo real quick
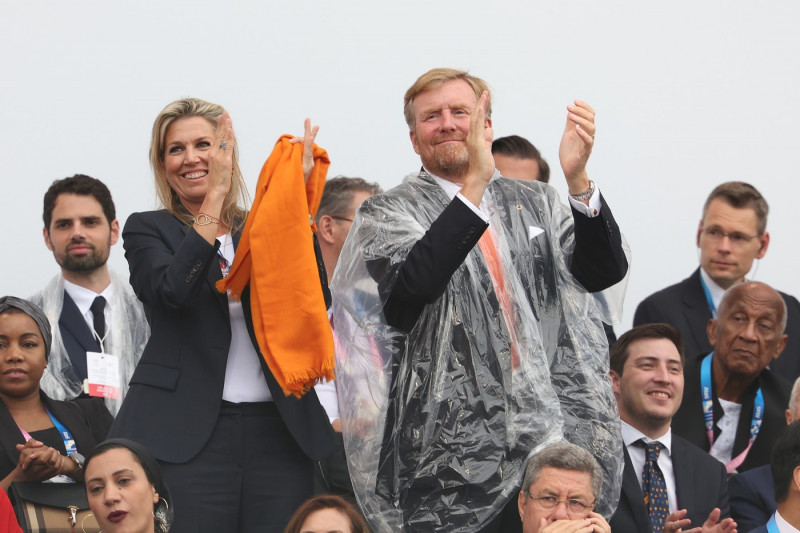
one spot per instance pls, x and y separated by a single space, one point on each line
46 234
699 232
414 143
325 229
614 382
764 241
711 331
114 232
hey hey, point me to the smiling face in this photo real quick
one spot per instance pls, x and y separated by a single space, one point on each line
441 125
727 259
650 389
747 333
80 236
120 495
186 151
22 355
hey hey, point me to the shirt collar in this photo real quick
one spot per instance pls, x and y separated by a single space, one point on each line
783 525
715 290
450 188
630 435
84 297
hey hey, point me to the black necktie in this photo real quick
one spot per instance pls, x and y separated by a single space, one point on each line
98 312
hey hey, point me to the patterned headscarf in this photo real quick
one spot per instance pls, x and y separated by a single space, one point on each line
33 311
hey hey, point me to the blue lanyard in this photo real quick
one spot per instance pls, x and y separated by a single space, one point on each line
772 525
708 413
709 299
69 442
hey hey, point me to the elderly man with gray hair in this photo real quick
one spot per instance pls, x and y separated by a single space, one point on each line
561 486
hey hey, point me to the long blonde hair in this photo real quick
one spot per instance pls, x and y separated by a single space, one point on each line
233 208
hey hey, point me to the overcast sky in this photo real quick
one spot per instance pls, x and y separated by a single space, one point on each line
688 94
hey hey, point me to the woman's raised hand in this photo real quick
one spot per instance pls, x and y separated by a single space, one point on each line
308 147
221 157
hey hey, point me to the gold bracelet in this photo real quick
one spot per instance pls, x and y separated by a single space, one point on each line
204 220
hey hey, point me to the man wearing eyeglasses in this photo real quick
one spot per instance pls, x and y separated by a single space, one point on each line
731 236
668 484
561 487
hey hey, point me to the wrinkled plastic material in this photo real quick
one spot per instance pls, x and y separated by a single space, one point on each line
128 332
438 423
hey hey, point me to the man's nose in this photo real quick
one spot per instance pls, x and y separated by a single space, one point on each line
560 511
448 122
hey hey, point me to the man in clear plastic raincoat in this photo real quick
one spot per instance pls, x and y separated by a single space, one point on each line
467 334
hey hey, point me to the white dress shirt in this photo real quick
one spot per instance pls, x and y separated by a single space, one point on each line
84 298
631 435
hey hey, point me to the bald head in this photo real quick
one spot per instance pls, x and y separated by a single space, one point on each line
748 331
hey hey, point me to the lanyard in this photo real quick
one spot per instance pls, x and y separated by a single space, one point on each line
708 413
66 436
709 299
772 525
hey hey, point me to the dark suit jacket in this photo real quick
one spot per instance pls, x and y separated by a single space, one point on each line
760 529
78 338
684 306
598 261
87 419
689 423
752 497
700 485
176 390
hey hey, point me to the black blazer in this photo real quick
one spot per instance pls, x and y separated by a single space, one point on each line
684 306
752 497
87 419
77 337
598 261
176 390
701 484
689 423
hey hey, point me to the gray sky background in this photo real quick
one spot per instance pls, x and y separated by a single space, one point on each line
688 94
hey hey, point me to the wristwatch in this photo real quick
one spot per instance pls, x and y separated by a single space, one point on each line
79 459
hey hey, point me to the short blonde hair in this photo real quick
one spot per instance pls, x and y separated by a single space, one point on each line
233 208
436 78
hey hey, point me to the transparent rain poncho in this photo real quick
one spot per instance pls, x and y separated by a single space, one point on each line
128 333
438 422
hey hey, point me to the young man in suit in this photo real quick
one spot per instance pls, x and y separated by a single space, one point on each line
733 406
90 308
731 235
786 471
668 483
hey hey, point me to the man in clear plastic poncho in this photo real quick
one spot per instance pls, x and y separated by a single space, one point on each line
467 335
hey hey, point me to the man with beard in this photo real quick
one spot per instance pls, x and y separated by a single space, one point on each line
99 327
491 341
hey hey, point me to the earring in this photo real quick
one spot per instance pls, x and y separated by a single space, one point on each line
83 528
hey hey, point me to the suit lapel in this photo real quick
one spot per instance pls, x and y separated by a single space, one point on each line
695 309
684 477
632 491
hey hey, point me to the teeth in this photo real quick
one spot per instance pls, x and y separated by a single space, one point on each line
659 395
195 175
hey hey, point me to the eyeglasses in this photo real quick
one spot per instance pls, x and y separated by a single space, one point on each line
574 506
336 217
736 238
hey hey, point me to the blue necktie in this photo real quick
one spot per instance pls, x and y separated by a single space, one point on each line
654 487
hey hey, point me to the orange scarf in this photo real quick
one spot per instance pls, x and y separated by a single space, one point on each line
276 257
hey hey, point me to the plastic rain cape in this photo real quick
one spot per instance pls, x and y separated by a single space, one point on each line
127 335
438 423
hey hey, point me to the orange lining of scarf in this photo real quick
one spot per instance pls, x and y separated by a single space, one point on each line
276 258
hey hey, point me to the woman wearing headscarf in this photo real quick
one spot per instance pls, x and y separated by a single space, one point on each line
236 451
40 438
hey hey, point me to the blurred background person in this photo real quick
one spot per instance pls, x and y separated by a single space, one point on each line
326 513
516 157
41 438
